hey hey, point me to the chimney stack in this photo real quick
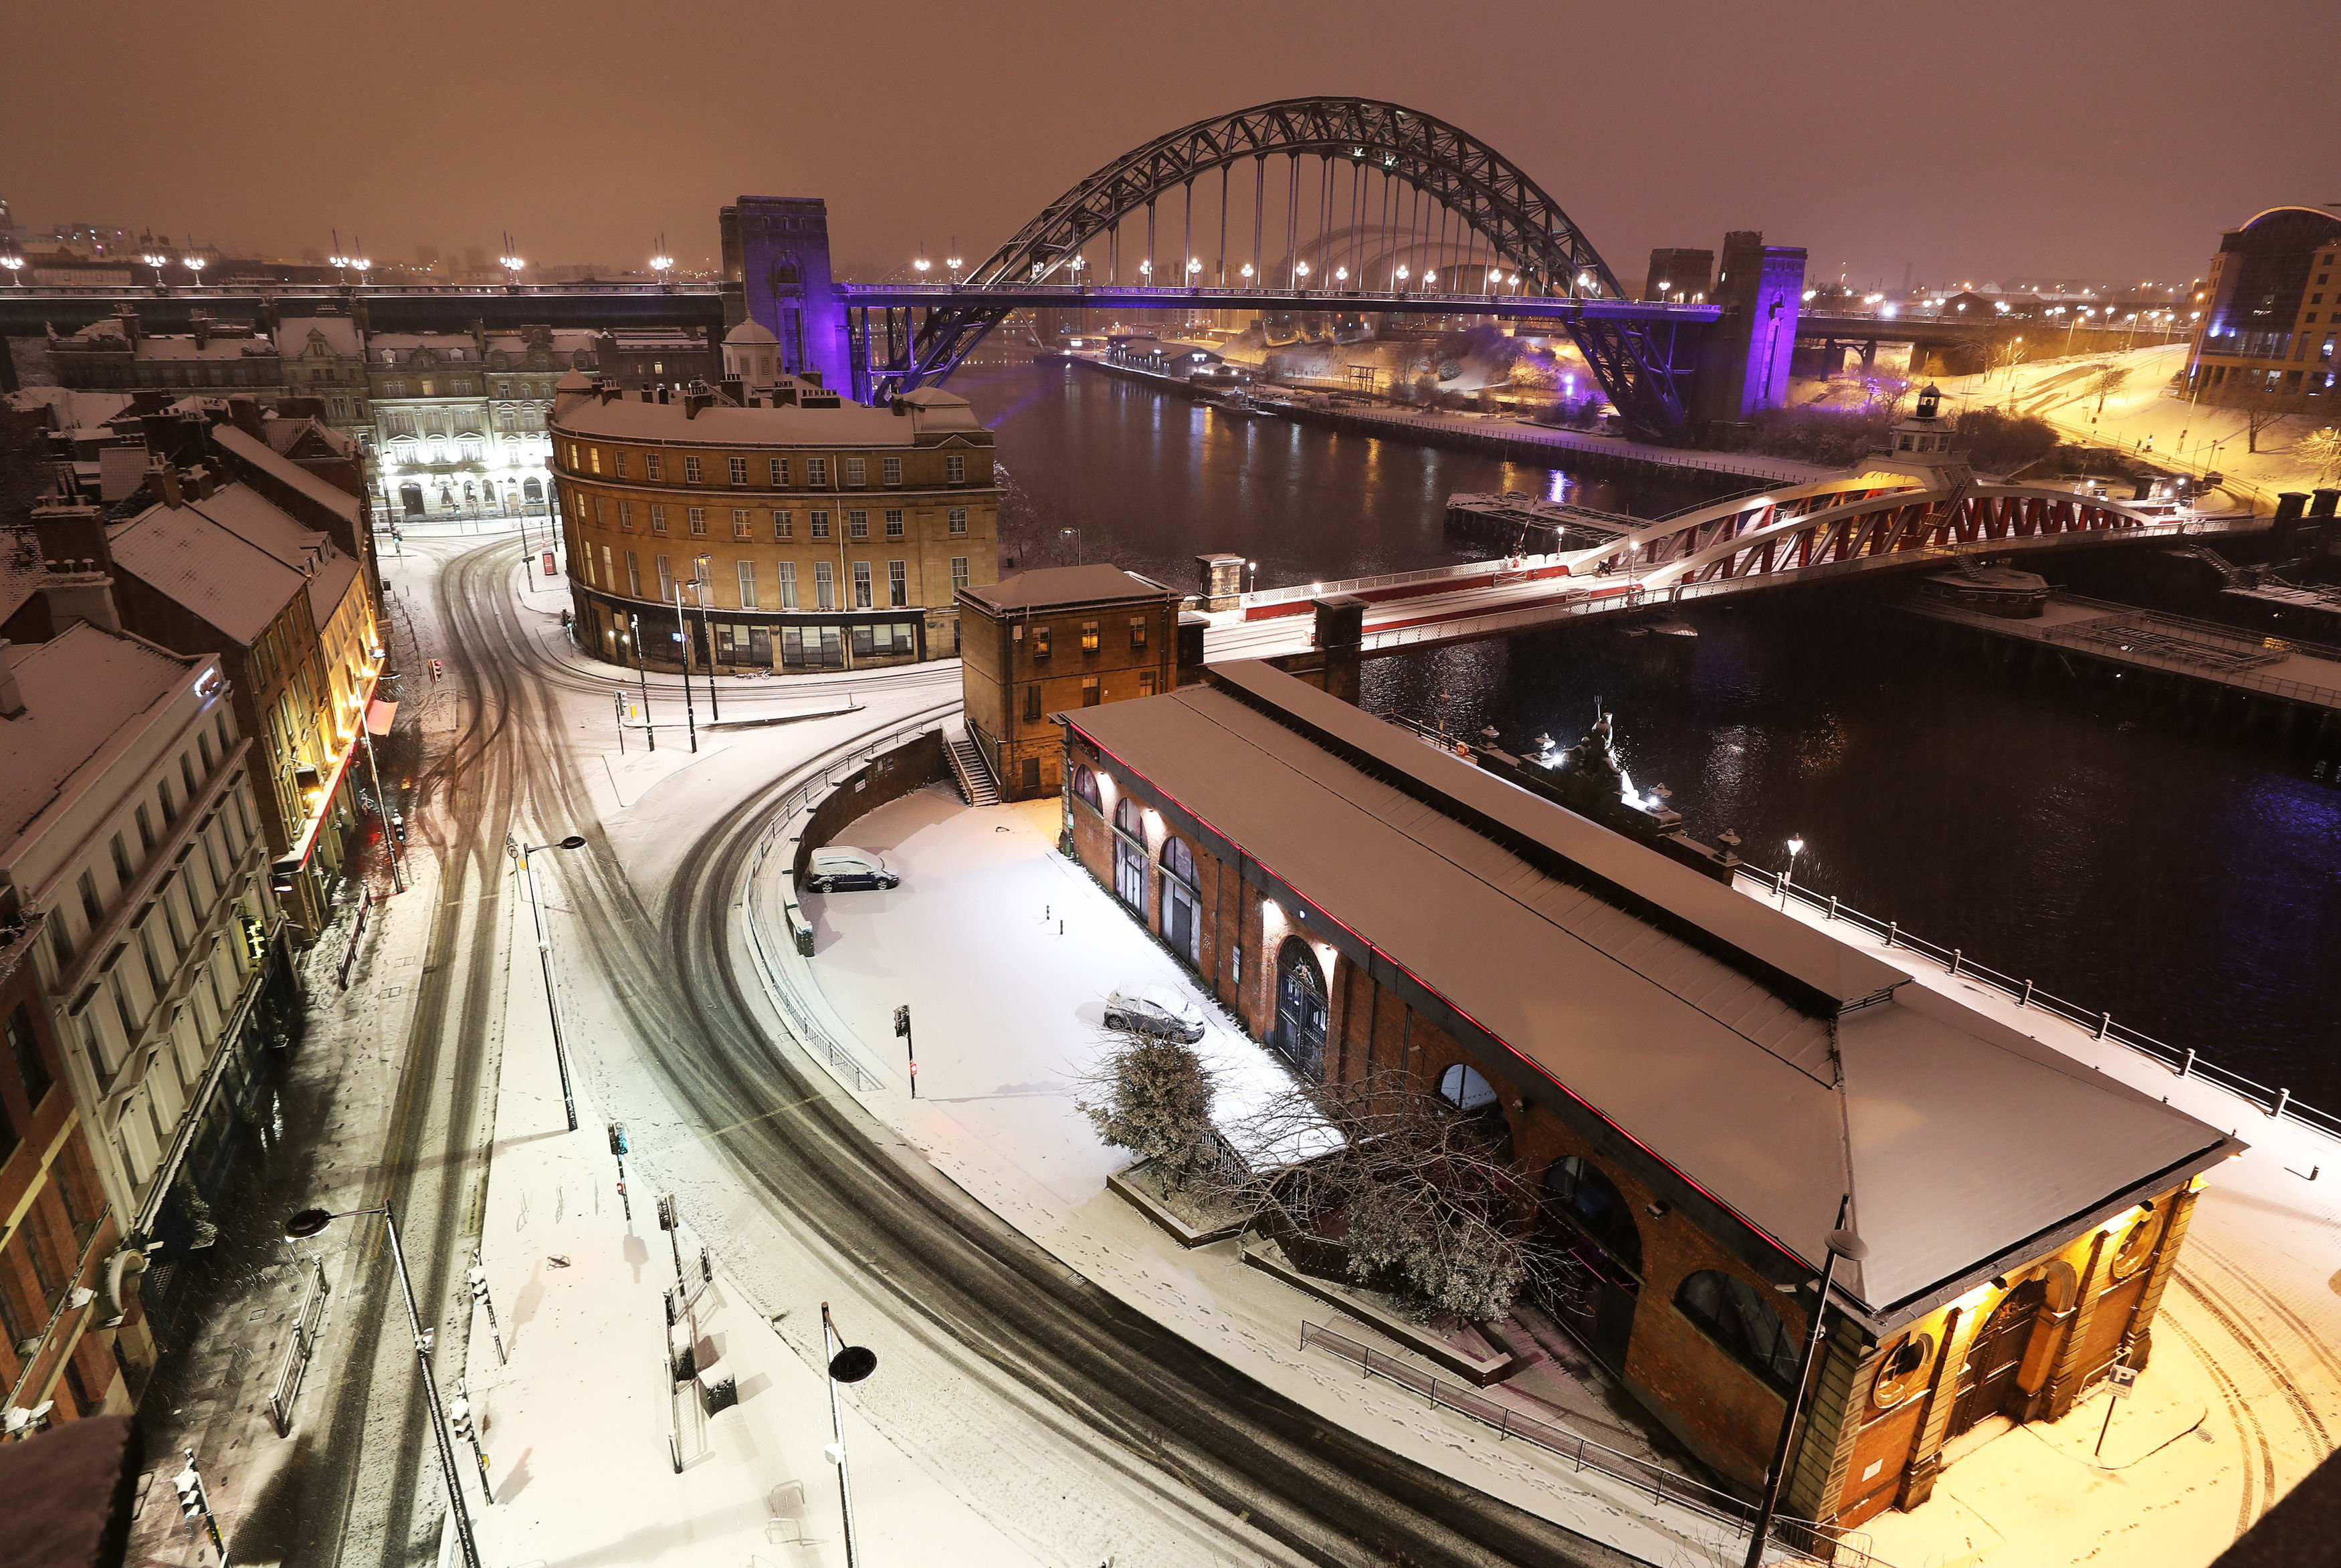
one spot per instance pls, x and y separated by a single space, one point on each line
12 696
244 412
163 480
78 596
200 323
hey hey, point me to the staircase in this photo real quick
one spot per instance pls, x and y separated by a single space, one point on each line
2228 571
973 774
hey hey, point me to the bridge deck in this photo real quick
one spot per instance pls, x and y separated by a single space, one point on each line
1495 603
2144 639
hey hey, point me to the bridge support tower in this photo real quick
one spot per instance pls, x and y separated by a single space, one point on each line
776 248
1743 364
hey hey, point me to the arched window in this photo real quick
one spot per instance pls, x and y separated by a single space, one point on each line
531 490
1464 1088
1736 1316
1085 787
1182 925
1582 1196
1130 855
1300 1012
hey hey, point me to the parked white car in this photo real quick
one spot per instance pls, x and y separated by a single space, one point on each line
1154 1010
840 868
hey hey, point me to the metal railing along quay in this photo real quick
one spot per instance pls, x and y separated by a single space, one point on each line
2185 1062
1801 1536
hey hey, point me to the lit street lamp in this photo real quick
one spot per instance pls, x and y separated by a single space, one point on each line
544 957
1397 280
1300 273
1841 1243
1795 848
196 264
847 1364
662 266
512 265
1247 272
15 265
312 1222
953 263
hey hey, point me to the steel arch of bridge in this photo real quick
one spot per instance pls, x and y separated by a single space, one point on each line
1496 199
1863 518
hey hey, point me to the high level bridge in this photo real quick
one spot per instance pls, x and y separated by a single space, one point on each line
1341 205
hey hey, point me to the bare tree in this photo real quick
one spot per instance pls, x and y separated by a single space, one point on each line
2261 409
2107 382
1418 1194
2321 449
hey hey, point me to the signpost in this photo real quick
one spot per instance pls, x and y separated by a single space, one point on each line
902 1033
2119 1381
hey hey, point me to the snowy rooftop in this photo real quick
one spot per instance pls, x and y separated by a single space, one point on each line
234 558
82 690
849 425
265 456
1742 1048
1058 586
295 333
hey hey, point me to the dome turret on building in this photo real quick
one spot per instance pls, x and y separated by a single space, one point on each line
751 354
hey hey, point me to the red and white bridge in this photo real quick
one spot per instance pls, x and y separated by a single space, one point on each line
1858 523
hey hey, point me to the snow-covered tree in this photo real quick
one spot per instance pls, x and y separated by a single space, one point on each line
1154 1097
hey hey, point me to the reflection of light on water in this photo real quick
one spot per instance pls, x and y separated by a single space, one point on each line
1558 489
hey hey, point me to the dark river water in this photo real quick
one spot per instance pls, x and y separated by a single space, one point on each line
2185 878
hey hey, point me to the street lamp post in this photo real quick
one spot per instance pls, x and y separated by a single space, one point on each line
312 1222
633 624
1795 848
1842 1243
196 264
847 1364
682 635
545 958
699 592
15 265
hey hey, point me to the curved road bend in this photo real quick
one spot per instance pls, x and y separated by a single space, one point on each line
1242 1471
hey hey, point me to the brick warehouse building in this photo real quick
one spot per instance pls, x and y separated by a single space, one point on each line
1690 1080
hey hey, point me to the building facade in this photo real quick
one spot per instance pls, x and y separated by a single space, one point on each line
215 359
790 531
324 358
1058 637
2272 315
158 974
459 418
1694 1087
57 1226
204 568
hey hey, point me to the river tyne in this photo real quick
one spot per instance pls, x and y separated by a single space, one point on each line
2185 878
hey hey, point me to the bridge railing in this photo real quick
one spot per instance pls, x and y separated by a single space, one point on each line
2184 1061
1267 596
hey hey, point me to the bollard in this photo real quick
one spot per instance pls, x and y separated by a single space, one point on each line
2026 1000
1893 927
2187 1068
2283 1098
1832 914
2105 1022
1956 956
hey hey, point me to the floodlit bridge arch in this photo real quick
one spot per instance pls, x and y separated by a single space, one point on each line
1362 179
